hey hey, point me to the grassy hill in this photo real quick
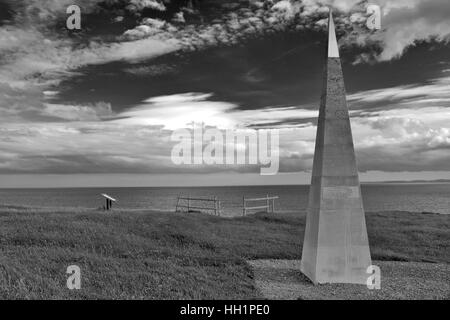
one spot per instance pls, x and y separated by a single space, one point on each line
156 255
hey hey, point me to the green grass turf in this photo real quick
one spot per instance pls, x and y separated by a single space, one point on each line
157 255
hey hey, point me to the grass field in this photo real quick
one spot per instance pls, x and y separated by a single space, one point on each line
155 255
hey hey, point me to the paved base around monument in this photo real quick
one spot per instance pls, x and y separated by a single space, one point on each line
282 280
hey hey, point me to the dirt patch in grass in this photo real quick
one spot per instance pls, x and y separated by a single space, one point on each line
282 280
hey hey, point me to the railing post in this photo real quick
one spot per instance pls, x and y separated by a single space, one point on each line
189 204
215 205
268 204
243 206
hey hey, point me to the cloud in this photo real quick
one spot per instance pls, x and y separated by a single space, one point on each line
32 54
403 128
96 112
178 111
34 57
145 70
81 139
30 72
139 5
149 27
397 128
404 23
82 147
435 91
181 110
411 21
91 139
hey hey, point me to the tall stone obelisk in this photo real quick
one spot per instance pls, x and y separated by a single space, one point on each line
336 247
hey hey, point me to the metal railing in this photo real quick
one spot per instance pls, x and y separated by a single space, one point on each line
189 204
269 206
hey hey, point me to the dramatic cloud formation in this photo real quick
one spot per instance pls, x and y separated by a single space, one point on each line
397 128
138 140
35 54
406 22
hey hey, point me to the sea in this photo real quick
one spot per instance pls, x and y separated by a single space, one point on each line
415 197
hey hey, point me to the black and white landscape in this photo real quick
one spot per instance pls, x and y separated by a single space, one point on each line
120 177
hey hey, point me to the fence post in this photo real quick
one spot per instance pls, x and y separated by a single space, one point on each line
215 206
189 204
268 204
243 206
218 208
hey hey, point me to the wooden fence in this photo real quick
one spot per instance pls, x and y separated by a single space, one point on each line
188 204
269 206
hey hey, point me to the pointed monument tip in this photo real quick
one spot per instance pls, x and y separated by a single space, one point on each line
333 49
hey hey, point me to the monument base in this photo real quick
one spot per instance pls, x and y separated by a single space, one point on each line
282 280
358 276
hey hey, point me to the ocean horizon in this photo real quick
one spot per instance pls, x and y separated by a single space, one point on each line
377 197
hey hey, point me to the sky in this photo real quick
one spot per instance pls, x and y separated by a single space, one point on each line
98 106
